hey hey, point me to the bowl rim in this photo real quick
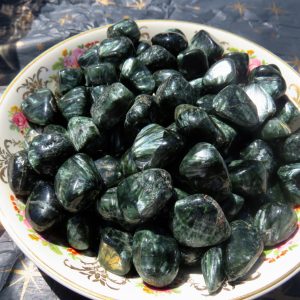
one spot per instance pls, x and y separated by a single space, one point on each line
58 276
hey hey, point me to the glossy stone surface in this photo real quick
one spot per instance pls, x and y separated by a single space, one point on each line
198 87
115 50
276 222
161 75
274 129
248 177
40 107
125 27
89 57
96 92
157 58
290 180
232 205
53 128
204 170
233 104
100 74
192 63
30 134
78 183
141 196
263 102
142 46
48 151
136 76
206 103
115 251
43 210
155 257
69 78
111 106
242 250
191 257
21 176
290 150
199 222
202 40
212 267
241 61
109 169
85 135
78 232
172 41
74 103
290 115
118 140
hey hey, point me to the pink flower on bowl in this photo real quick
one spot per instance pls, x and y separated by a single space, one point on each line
254 63
20 120
72 60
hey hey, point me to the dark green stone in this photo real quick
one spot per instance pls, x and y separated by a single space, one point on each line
233 104
136 76
220 74
40 107
89 58
48 151
43 210
155 257
212 266
241 60
172 41
290 180
191 257
142 46
118 140
199 221
290 150
96 92
275 129
109 169
116 50
161 75
53 128
30 134
78 232
242 250
115 251
290 115
125 27
276 222
69 78
192 63
75 103
204 170
232 205
206 103
78 183
157 58
100 74
202 40
21 176
141 196
111 106
248 177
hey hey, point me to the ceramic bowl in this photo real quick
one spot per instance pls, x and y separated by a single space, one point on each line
81 273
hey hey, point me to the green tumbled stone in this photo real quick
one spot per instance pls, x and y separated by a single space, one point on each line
212 267
142 46
53 128
275 129
74 103
40 107
89 58
241 60
191 257
77 183
155 257
21 176
115 251
111 106
116 50
118 140
69 78
276 222
30 134
199 221
206 103
198 87
141 196
97 91
242 250
78 233
290 115
161 75
48 151
43 210
109 169
290 150
100 74
232 205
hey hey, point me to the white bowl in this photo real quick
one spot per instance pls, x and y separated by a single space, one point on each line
83 274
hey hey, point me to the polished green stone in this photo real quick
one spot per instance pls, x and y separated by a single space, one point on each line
290 115
136 76
100 74
115 251
191 257
142 46
74 103
232 205
274 129
141 196
276 222
199 221
21 176
43 210
48 151
198 88
78 232
161 75
111 106
96 92
77 183
241 60
69 78
242 250
290 150
89 58
212 266
206 103
156 257
40 107
53 128
30 134
204 170
118 140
